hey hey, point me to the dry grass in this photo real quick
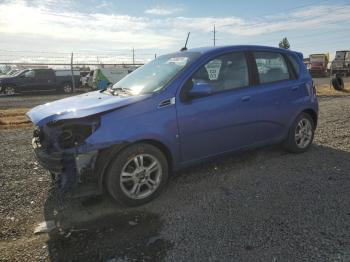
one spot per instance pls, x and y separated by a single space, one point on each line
328 90
14 118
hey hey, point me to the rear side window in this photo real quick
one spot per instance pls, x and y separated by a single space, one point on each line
44 74
294 64
40 74
271 67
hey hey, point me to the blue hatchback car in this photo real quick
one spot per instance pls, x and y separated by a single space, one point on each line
175 111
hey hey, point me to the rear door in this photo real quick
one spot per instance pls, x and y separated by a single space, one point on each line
45 79
224 120
277 94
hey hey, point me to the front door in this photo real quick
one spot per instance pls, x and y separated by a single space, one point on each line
27 81
223 120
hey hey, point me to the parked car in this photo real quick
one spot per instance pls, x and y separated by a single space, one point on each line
84 78
103 77
177 110
30 80
4 69
12 72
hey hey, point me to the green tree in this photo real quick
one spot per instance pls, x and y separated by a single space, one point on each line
284 43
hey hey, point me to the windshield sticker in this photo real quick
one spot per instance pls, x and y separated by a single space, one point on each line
180 61
213 69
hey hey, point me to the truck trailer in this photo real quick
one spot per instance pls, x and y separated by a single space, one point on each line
318 65
341 63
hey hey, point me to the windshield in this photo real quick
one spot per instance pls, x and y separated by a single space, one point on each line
19 72
340 55
153 76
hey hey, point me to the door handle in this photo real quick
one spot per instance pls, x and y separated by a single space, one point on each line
295 88
245 98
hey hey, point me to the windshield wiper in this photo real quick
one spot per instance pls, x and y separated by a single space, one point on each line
108 90
120 89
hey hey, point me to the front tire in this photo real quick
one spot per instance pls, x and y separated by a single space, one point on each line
137 175
9 90
301 134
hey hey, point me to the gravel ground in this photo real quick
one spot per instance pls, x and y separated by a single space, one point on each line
264 205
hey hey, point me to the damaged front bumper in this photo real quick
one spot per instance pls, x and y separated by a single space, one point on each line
67 169
60 148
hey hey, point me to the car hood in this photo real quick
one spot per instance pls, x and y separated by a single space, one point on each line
80 106
2 77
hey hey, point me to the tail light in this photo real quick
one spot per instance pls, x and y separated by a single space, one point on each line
313 88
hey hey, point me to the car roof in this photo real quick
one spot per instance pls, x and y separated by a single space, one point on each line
218 49
212 50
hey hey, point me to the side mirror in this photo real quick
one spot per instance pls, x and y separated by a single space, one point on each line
200 88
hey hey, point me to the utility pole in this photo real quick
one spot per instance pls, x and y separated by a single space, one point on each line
214 31
133 56
72 72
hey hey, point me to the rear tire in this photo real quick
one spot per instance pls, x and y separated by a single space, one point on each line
67 88
301 134
137 175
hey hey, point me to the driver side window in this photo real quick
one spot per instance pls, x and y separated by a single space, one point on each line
226 72
29 74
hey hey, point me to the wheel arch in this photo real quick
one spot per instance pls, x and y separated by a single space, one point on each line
14 85
313 115
162 147
106 156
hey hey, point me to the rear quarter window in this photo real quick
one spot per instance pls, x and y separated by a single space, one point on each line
295 64
272 67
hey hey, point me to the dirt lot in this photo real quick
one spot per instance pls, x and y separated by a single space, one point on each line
324 88
265 205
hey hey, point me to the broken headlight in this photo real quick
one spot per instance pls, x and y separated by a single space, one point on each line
74 132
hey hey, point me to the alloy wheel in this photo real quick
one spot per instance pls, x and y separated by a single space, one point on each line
9 90
303 133
141 176
67 88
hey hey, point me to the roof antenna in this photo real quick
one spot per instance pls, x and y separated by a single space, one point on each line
185 47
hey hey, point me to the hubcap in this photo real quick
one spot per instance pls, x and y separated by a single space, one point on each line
141 176
67 89
9 91
303 133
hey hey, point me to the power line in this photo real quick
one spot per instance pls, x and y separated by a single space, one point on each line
294 8
301 36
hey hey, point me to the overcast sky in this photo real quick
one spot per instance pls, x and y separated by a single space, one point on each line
161 26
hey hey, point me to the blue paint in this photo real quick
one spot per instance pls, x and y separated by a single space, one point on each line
195 129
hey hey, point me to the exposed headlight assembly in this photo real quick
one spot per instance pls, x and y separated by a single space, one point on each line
71 133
